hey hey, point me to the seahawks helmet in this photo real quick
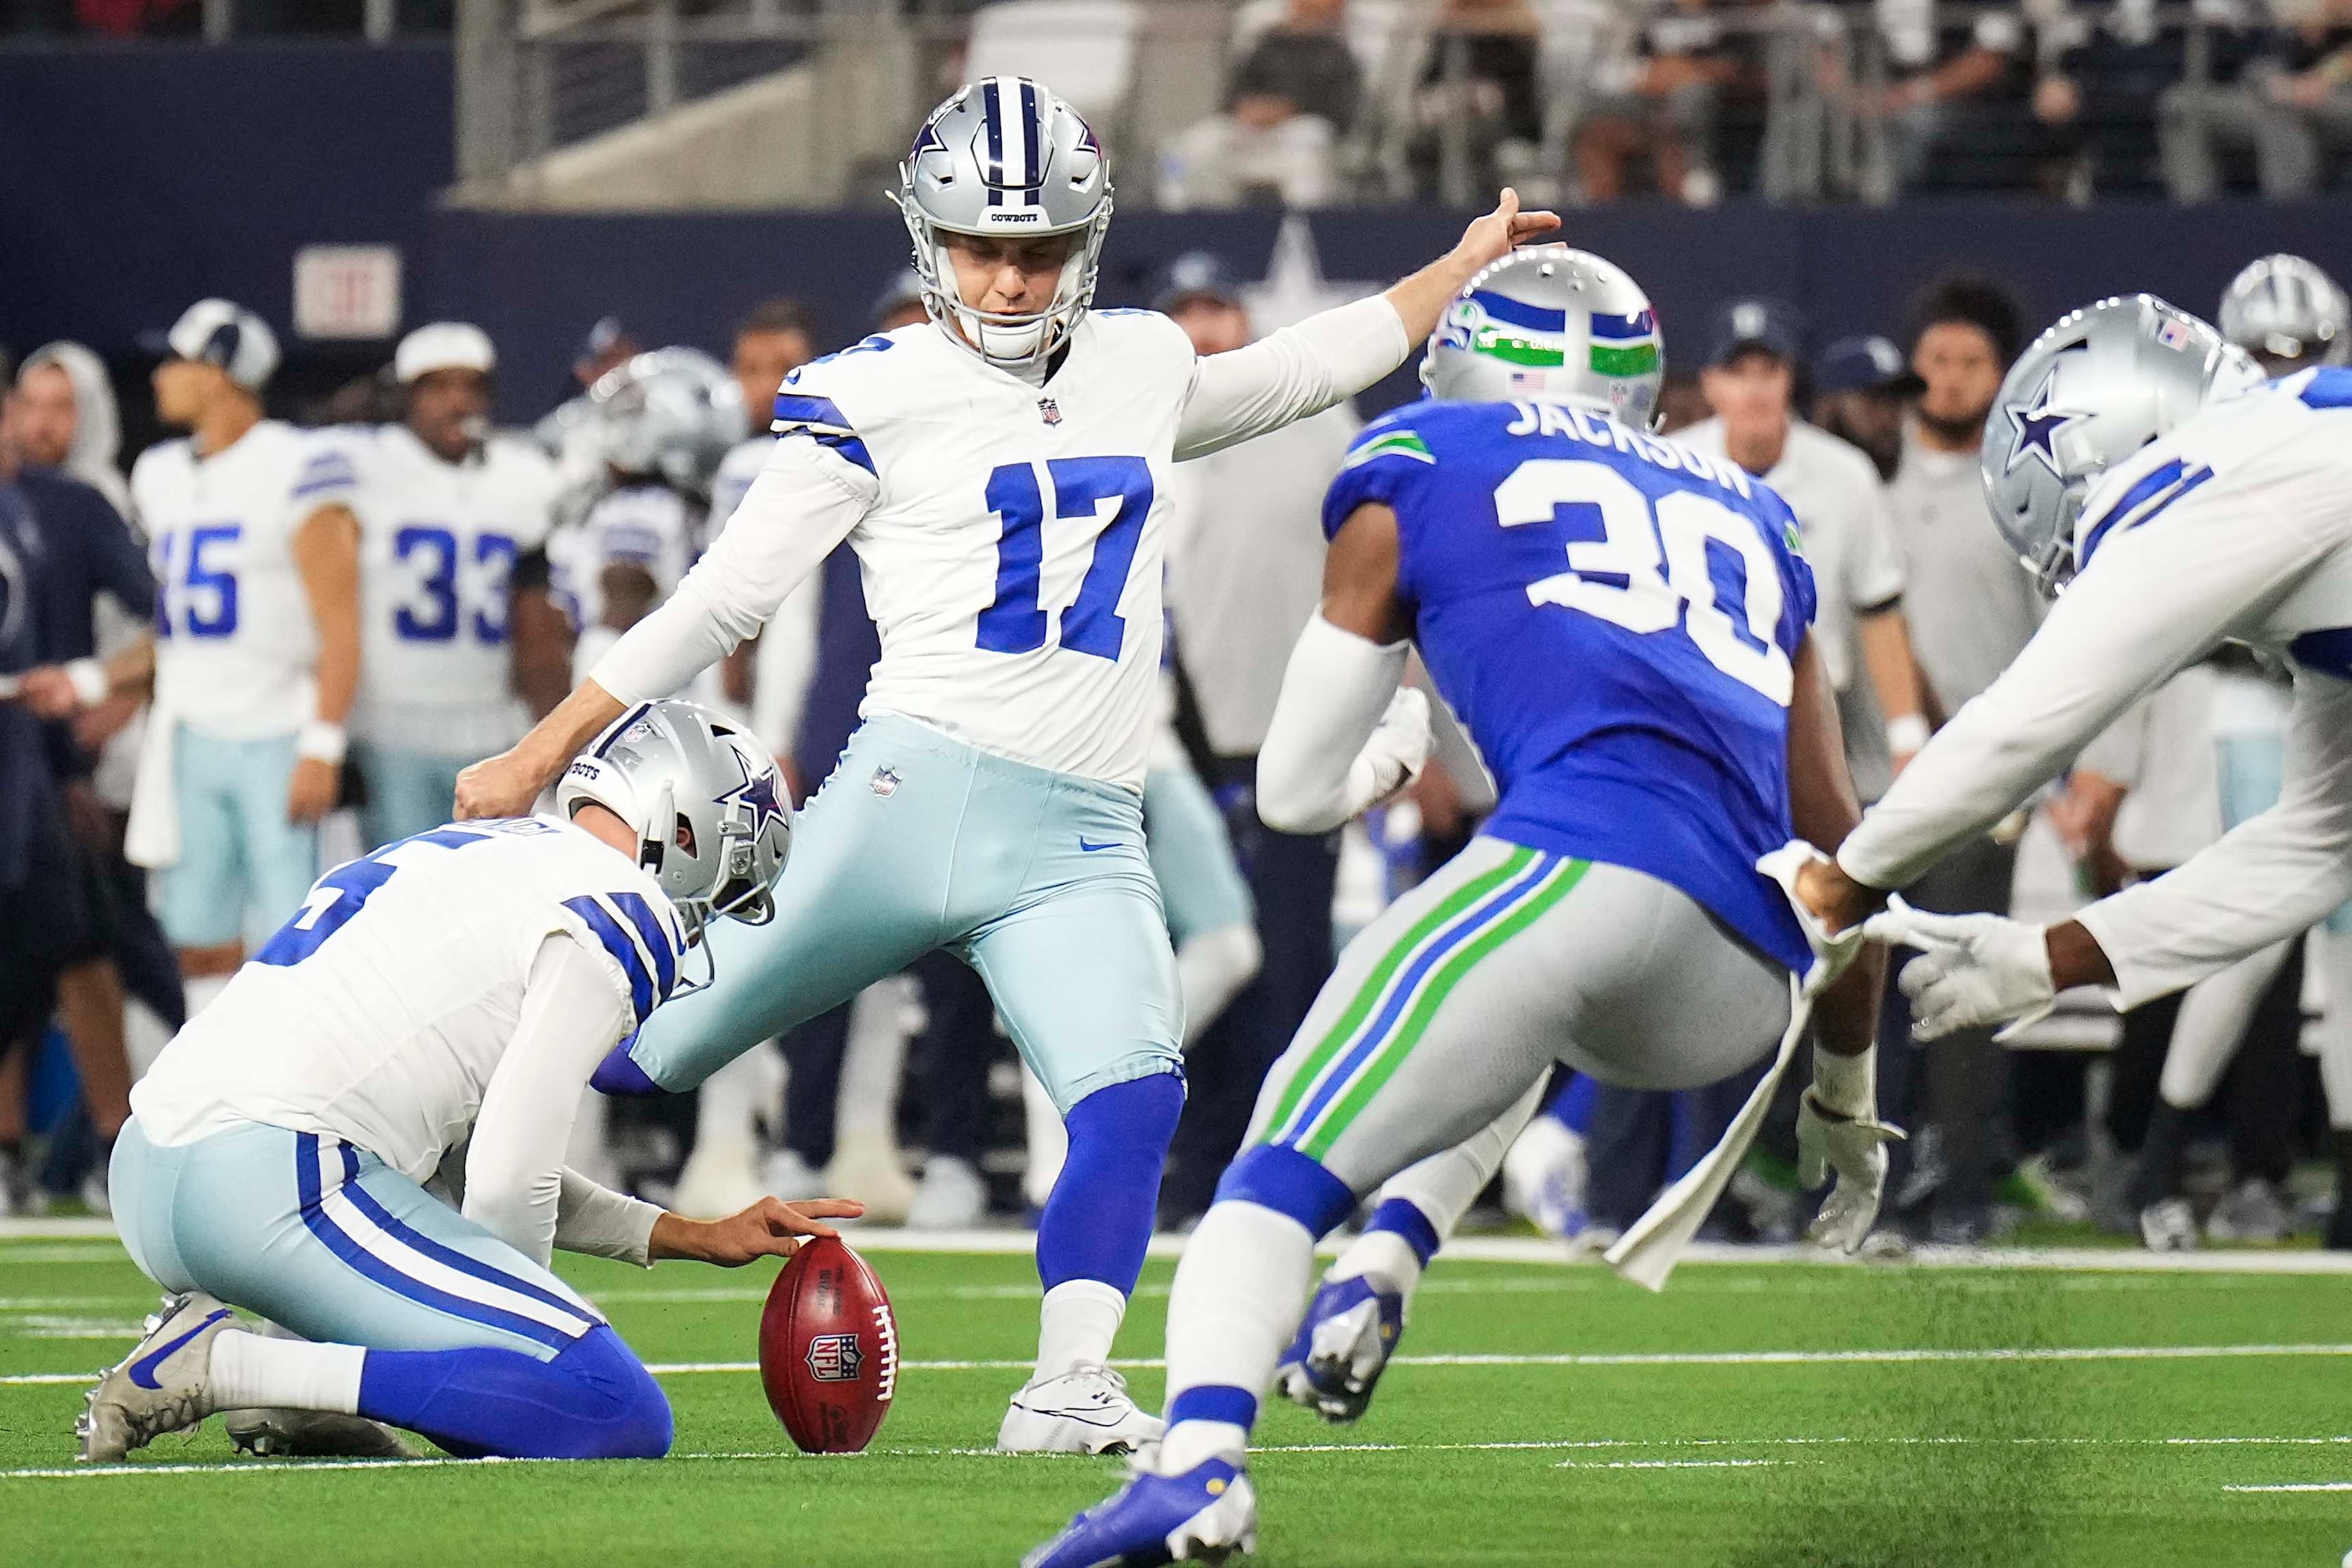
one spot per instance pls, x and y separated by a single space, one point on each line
2096 387
671 414
2287 313
1007 159
712 825
1549 324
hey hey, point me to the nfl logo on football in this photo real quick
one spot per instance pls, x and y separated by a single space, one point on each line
834 1358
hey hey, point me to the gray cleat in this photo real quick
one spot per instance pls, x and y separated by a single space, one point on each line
164 1385
312 1434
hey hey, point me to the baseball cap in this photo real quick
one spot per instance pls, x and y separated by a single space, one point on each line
216 332
1195 275
443 345
1860 363
605 338
1750 324
906 288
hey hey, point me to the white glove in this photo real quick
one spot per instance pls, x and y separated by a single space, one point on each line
1396 753
1832 954
1853 1149
1973 970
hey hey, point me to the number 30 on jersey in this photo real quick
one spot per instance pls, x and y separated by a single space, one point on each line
1625 578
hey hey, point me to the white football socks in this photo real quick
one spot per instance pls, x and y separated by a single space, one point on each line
1240 1291
1076 1324
249 1372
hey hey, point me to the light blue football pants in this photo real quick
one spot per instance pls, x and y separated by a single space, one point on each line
408 793
1038 879
322 1237
244 866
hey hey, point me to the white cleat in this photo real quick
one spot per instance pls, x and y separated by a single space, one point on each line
2169 1225
1084 1411
716 1182
1545 1174
312 1434
164 1385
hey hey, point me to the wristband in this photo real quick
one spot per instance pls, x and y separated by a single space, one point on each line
1905 734
91 685
321 740
1847 1085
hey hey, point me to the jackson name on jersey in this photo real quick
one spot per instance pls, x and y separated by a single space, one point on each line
1613 617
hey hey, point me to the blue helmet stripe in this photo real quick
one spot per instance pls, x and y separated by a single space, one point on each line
1033 135
992 110
1617 329
1519 313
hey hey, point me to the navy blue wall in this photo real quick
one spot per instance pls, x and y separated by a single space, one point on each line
135 179
535 282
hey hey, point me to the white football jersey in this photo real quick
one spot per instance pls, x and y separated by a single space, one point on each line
1013 552
438 543
380 1012
235 648
2237 527
1010 532
649 526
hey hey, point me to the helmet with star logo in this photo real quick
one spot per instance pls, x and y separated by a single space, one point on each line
2101 383
712 822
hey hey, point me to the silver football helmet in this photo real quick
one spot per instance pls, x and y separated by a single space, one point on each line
1549 324
672 413
2287 313
712 822
1006 158
2096 387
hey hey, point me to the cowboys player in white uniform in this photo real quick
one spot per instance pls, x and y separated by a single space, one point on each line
2127 460
1000 472
257 657
438 1007
444 509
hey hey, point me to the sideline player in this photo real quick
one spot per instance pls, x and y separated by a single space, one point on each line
1000 474
2127 460
1609 915
447 513
447 993
257 660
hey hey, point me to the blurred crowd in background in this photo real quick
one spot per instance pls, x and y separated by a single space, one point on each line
1331 101
2198 1119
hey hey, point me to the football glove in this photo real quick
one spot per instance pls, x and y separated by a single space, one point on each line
1973 970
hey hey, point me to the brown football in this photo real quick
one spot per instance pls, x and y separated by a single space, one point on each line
828 1348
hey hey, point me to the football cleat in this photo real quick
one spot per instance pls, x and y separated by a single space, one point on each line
1544 1178
1206 1515
162 1386
1353 1327
1086 1411
2169 1225
312 1434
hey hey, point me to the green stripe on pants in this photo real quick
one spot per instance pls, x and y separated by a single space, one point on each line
1534 903
1368 994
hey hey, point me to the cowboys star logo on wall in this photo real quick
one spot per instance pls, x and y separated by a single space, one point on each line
2038 428
834 1358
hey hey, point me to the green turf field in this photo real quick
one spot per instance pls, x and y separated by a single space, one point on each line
1601 1427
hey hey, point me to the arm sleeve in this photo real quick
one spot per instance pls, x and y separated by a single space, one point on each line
602 1223
118 564
515 1180
2274 875
1333 693
804 502
2155 599
1289 374
785 667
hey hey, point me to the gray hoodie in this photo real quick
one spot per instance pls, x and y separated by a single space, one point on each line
97 423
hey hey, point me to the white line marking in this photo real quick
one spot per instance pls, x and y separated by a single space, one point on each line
2296 1487
1664 1464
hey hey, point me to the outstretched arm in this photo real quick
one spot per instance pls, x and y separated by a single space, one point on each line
1343 736
1329 358
803 503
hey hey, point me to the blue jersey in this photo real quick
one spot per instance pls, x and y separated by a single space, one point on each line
1614 618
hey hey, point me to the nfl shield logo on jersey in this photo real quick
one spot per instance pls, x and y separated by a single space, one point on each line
834 1358
1049 411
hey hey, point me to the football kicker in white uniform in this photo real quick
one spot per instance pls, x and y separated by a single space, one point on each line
1000 472
2126 459
436 1007
446 510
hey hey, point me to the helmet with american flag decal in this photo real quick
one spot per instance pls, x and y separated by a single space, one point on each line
1551 324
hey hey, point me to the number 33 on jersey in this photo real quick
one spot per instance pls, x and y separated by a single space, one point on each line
1614 618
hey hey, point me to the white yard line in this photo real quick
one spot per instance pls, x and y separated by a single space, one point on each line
2296 1487
1476 1248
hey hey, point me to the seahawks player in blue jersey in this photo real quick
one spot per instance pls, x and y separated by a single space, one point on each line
1621 623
